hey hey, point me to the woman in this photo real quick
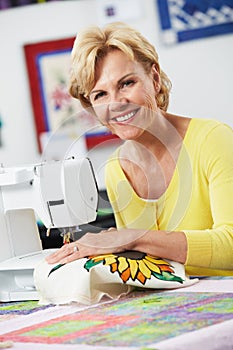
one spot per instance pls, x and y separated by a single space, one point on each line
171 181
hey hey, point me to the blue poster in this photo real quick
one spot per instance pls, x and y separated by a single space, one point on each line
183 20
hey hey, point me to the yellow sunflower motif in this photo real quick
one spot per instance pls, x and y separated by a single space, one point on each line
135 265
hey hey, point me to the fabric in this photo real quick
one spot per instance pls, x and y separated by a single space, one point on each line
177 319
198 200
113 275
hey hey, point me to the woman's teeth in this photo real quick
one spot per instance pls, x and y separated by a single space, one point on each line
125 117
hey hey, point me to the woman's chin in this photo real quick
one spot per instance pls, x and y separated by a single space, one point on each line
128 133
129 136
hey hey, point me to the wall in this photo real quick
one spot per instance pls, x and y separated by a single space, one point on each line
18 26
201 70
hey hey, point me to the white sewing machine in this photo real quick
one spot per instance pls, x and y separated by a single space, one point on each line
63 194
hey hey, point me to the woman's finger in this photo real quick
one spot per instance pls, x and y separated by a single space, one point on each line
64 252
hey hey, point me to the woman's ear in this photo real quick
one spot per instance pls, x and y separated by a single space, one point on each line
156 78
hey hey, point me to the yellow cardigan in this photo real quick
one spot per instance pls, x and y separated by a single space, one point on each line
198 200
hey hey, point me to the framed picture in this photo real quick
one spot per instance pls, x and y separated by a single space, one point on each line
48 65
194 19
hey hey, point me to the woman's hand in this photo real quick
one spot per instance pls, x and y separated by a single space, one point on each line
106 241
164 244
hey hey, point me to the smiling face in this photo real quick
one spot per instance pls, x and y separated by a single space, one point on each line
124 95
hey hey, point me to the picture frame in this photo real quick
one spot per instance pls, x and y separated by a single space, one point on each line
182 21
48 65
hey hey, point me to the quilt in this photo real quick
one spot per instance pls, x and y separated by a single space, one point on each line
183 20
136 321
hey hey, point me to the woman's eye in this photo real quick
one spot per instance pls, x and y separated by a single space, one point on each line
127 83
99 95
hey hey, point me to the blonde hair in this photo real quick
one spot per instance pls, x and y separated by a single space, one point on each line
93 43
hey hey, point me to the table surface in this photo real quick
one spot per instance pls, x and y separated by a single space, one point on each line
195 317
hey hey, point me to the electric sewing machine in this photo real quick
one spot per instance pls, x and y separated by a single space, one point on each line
63 194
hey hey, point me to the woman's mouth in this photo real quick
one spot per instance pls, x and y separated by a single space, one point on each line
125 117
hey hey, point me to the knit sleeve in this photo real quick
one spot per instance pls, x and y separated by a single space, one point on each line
213 247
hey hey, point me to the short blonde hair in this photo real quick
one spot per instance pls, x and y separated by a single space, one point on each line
93 43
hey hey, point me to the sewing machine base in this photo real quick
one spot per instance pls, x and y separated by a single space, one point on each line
16 276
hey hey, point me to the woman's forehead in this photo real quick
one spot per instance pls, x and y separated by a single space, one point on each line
114 66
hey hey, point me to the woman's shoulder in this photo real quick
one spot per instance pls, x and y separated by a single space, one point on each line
208 123
195 127
210 136
201 127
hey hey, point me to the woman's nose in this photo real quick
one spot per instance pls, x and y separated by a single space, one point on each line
118 103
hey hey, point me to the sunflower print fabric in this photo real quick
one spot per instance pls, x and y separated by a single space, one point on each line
88 280
133 265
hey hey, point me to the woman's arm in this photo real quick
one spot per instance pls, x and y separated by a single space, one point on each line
170 245
213 247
